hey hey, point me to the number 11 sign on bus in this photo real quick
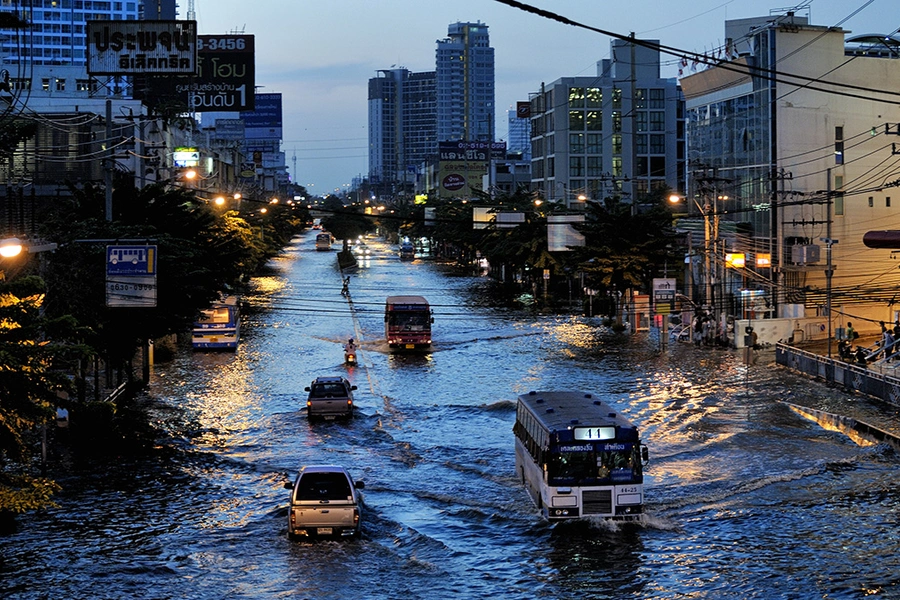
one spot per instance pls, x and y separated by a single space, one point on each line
131 276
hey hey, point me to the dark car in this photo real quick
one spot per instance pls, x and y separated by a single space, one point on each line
324 503
329 398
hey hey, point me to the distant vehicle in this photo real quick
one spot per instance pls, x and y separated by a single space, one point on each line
407 322
578 458
329 398
407 251
324 503
324 241
219 326
362 249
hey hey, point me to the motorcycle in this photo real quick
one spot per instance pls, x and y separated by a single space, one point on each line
350 355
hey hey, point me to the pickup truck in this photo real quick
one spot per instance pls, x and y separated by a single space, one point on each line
325 502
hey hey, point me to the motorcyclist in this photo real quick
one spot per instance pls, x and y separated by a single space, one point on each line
350 347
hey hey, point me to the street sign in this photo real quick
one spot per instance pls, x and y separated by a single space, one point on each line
131 276
131 260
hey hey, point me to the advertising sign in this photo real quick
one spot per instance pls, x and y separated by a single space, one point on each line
225 75
141 47
264 121
458 179
225 79
472 151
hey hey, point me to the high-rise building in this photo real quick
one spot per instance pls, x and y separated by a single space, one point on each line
465 84
402 125
619 133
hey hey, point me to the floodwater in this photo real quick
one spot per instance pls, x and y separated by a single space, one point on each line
746 498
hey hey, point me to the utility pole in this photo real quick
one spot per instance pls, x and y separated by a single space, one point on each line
829 269
108 163
778 254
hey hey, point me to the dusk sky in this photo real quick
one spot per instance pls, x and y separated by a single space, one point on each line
320 55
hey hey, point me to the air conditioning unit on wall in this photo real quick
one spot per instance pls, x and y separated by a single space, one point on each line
808 254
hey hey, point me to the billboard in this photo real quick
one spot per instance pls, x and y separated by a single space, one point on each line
472 151
458 179
141 47
225 75
264 121
225 79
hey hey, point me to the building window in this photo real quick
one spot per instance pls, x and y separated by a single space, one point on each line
617 144
657 166
657 120
617 166
657 144
616 98
45 84
640 121
640 144
594 97
640 96
60 85
576 143
594 120
838 145
576 120
594 143
576 166
617 120
887 201
576 97
641 166
871 201
657 98
594 166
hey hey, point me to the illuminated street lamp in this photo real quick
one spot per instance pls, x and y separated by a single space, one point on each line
10 247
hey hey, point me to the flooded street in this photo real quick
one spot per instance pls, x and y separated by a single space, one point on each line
745 498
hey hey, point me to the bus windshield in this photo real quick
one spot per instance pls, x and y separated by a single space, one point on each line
583 465
409 321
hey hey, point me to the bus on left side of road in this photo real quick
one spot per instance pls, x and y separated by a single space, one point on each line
219 326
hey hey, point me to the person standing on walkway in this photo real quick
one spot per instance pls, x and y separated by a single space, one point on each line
851 333
888 343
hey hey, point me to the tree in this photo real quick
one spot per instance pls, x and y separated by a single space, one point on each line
623 248
31 346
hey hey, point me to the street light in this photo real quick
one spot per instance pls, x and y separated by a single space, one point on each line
10 247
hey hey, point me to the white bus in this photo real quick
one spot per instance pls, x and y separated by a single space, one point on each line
578 458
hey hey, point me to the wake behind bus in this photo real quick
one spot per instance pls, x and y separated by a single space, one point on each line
407 323
577 457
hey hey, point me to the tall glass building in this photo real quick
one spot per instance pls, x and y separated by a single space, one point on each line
465 84
402 124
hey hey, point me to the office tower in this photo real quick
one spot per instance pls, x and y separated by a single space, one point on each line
465 84
402 124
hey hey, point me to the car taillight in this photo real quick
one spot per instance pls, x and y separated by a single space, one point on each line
355 516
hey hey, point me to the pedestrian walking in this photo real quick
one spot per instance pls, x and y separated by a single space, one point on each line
851 333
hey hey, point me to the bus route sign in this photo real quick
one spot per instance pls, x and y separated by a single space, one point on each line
131 260
131 276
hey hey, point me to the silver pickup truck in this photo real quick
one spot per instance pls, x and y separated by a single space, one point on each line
325 502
